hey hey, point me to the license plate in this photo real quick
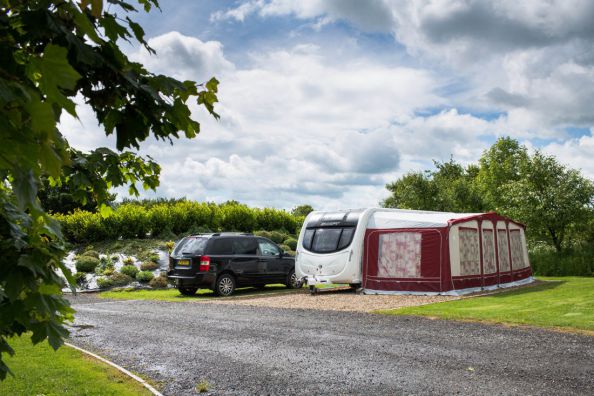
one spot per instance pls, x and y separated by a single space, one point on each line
183 262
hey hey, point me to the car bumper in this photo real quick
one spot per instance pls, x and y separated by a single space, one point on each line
197 280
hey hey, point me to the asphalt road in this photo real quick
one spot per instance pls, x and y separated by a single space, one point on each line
254 350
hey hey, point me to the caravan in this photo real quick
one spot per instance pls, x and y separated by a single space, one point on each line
410 251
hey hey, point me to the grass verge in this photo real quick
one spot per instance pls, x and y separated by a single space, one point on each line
39 370
201 295
566 303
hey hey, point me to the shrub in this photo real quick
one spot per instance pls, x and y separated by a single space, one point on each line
91 253
86 264
105 267
576 262
115 258
129 270
277 236
128 261
144 276
263 234
149 266
237 217
80 278
291 242
154 257
284 247
160 282
119 279
169 245
104 282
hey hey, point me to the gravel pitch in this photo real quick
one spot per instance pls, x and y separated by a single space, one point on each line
251 350
341 300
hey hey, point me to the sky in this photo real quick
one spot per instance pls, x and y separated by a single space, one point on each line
323 102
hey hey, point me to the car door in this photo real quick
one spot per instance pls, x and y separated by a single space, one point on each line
246 263
275 265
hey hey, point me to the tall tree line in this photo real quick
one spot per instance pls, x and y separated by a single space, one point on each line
554 201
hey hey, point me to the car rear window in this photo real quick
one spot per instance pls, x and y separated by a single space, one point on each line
221 246
327 240
190 245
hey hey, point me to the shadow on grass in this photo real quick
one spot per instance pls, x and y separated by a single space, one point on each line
523 290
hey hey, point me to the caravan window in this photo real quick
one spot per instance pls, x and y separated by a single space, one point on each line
327 240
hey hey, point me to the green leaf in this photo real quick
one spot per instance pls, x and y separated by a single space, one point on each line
53 73
25 189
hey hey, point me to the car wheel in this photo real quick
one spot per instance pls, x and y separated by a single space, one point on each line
225 285
292 281
187 291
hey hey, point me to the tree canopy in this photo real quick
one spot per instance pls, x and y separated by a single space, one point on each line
53 54
556 203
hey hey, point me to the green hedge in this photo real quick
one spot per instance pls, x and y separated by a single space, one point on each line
576 262
139 220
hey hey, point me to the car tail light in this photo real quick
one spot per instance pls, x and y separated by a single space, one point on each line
204 263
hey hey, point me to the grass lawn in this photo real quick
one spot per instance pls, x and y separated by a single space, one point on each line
201 295
39 370
566 302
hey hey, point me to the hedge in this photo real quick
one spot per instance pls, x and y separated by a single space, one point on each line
142 219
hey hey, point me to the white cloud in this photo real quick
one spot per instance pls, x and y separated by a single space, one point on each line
534 58
302 125
575 153
184 57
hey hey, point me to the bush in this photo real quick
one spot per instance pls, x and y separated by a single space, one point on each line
128 261
129 270
277 236
86 264
80 278
108 271
576 262
291 242
91 253
169 245
160 282
154 257
119 279
149 266
144 276
263 234
115 258
104 282
284 247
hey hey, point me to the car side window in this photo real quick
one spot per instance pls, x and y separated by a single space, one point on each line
245 246
222 246
268 248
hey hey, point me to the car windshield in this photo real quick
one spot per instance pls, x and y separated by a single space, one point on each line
327 240
190 245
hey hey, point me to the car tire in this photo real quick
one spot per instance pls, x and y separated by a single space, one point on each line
225 285
292 281
187 291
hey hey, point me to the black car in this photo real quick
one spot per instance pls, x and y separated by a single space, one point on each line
224 261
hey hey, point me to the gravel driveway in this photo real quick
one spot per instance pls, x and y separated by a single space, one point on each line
261 350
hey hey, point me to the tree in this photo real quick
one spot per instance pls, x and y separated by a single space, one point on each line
52 51
556 203
302 210
60 199
415 190
449 188
500 164
550 198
